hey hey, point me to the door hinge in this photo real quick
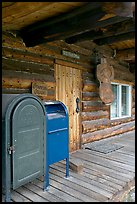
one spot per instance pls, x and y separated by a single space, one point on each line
11 149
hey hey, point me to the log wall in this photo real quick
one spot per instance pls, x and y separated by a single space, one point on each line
96 123
23 67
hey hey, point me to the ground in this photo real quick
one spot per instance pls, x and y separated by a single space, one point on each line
130 196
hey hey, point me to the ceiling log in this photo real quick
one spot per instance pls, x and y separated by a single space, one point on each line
72 23
126 54
116 38
120 8
114 29
68 23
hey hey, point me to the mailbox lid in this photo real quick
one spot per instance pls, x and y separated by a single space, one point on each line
55 109
56 116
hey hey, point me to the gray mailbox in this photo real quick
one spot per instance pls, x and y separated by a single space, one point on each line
23 140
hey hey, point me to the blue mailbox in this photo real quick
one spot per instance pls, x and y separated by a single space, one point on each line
57 136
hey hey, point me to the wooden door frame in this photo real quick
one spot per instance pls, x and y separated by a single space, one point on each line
75 66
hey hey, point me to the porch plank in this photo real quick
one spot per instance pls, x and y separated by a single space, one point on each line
113 156
98 177
104 176
30 195
103 161
59 192
17 197
72 191
43 194
84 192
84 179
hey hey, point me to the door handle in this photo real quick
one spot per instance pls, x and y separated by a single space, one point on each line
77 104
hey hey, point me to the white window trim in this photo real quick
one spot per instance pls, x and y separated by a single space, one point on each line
130 101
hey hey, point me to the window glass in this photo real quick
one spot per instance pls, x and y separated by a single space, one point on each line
125 100
122 101
114 106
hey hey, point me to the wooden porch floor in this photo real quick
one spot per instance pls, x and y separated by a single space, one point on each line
105 177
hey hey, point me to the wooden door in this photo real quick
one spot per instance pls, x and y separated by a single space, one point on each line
68 88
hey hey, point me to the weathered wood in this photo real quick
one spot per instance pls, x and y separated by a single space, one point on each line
76 165
90 96
119 8
103 176
124 82
122 120
94 197
42 90
7 4
87 116
102 191
113 164
16 83
28 66
26 55
91 87
24 83
95 108
93 125
75 48
17 197
16 90
106 93
97 135
113 29
43 194
72 22
88 76
68 88
105 72
30 14
26 75
56 190
123 75
30 195
132 66
46 53
126 54
74 195
117 38
105 182
68 64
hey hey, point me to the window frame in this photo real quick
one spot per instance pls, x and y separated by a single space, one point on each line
119 111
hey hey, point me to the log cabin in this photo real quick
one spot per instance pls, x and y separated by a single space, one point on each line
80 53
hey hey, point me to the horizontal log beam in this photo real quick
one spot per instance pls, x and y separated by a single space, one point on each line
90 88
126 54
120 8
26 56
8 82
107 132
66 24
27 75
93 125
12 90
88 106
88 116
27 66
116 38
105 31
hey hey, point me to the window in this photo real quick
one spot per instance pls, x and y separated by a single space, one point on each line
121 106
